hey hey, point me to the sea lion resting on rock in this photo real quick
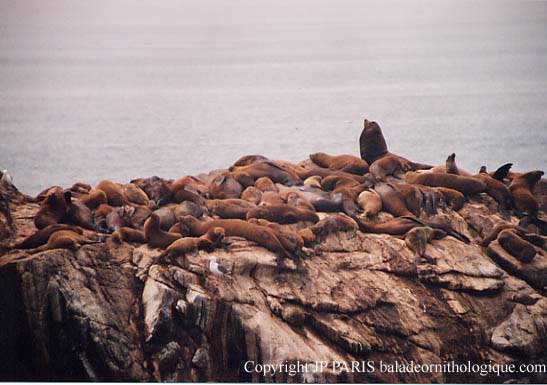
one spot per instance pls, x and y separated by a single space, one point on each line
521 190
290 240
135 194
269 198
127 234
296 199
190 183
94 198
225 186
189 208
273 171
346 163
114 193
265 184
248 159
79 214
155 236
516 246
167 217
306 173
252 194
370 201
417 238
208 241
283 213
52 209
230 208
41 236
63 239
155 188
463 184
393 201
334 182
497 190
334 223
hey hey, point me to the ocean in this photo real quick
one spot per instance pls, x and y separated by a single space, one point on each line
126 89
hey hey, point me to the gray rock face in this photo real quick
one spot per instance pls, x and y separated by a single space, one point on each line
113 312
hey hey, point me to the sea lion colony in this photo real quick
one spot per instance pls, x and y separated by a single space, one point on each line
288 208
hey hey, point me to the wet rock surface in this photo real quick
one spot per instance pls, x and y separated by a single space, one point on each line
116 312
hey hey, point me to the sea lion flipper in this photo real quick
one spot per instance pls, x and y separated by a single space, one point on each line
502 171
220 180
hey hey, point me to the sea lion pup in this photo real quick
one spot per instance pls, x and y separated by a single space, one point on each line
296 199
290 240
497 190
94 199
229 208
190 183
225 186
334 182
516 246
393 201
313 181
114 193
521 190
52 209
463 184
265 184
370 201
413 197
155 188
273 171
63 239
373 146
155 236
283 213
127 234
248 159
135 194
346 163
189 208
41 236
261 235
417 238
208 241
453 198
270 198
252 194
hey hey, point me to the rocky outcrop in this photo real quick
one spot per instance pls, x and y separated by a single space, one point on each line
115 312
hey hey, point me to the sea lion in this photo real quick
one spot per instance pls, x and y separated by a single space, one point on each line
516 246
155 188
189 208
497 190
114 193
102 211
155 236
393 201
334 182
252 194
493 234
135 194
325 172
283 213
453 198
248 159
450 167
225 186
290 240
265 184
63 239
135 216
273 171
334 223
463 184
417 238
395 226
208 241
80 188
52 209
244 179
41 236
413 197
370 201
230 208
521 190
167 217
127 234
261 235
313 181
94 198
296 199
389 165
346 163
270 198
182 195
190 183
79 214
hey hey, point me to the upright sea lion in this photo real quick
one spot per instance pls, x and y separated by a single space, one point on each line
225 186
208 241
346 163
417 238
94 198
370 201
52 209
252 194
41 236
516 246
273 171
393 201
135 194
265 184
230 208
155 188
63 239
283 213
114 193
463 184
521 190
155 236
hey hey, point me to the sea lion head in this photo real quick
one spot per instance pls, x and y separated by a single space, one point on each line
371 142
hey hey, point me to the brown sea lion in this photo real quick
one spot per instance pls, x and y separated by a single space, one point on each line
453 198
102 211
334 223
370 201
127 234
296 199
521 190
182 195
413 197
53 208
155 188
155 236
182 246
265 184
63 239
270 198
325 172
334 182
313 181
493 234
79 214
273 171
283 213
189 208
94 199
244 179
395 226
248 159
393 201
261 235
252 194
114 220
463 184
290 240
225 186
190 183
114 193
346 163
80 188
135 215
497 190
41 236
417 238
230 208
390 165
167 217
516 246
135 194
